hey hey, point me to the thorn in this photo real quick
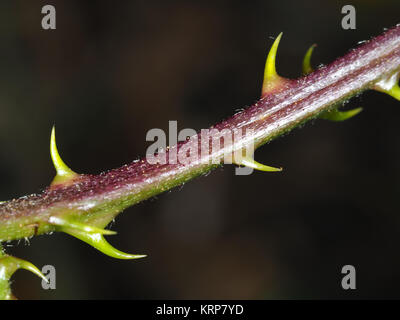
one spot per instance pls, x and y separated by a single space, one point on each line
251 163
271 78
307 68
336 115
270 69
390 86
97 241
63 172
67 224
9 265
30 267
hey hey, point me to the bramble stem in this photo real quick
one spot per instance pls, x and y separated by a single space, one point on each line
96 200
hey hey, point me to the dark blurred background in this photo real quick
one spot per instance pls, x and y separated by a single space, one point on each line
112 70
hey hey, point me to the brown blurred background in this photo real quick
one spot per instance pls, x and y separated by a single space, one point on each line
112 70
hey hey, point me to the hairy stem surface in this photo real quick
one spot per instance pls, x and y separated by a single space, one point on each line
96 199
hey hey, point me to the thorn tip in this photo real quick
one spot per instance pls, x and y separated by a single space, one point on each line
63 171
307 68
271 77
270 65
251 163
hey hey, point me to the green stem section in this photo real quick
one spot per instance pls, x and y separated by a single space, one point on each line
5 289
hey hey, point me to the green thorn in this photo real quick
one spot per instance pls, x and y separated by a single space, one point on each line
63 224
270 75
270 68
97 241
307 68
251 163
9 265
336 115
64 173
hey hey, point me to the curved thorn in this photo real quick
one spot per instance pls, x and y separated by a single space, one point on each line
307 68
97 241
63 224
63 171
251 163
336 115
270 68
9 265
270 74
30 267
